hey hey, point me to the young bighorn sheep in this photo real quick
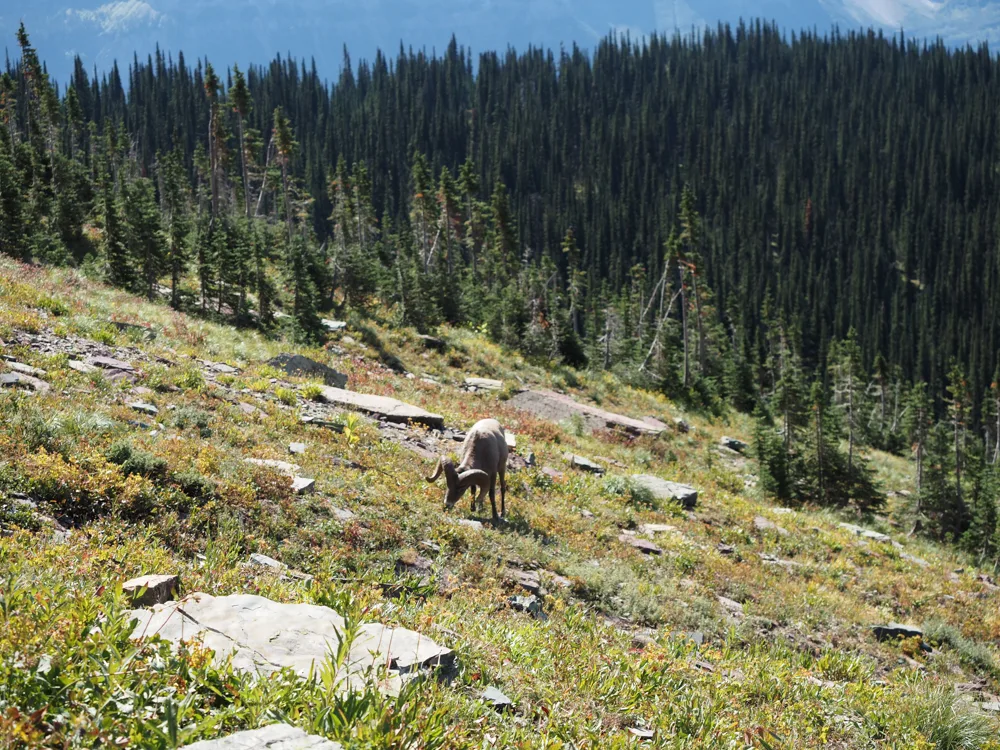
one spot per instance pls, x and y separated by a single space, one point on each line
484 456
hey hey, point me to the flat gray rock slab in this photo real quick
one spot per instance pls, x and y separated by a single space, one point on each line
643 545
666 490
557 407
583 464
274 737
297 448
264 636
866 533
81 367
24 382
35 372
484 384
108 363
496 699
297 365
143 407
382 407
333 325
159 589
303 485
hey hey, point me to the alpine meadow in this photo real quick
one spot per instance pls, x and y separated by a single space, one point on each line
712 320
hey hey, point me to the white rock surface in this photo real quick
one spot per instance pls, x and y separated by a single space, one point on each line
274 737
264 637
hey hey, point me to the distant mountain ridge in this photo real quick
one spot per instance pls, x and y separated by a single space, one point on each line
101 33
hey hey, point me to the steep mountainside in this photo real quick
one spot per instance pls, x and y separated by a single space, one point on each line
607 613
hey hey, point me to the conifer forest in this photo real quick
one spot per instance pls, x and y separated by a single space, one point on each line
802 227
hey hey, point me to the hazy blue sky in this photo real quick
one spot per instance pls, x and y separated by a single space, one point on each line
247 31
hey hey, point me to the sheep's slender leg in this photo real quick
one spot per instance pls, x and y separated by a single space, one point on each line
503 492
493 497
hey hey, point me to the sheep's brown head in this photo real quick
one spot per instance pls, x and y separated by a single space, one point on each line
458 483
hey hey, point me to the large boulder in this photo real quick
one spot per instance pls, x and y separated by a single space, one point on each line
557 407
274 737
662 489
264 636
299 366
382 407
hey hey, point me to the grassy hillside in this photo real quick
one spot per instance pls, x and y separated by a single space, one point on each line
751 629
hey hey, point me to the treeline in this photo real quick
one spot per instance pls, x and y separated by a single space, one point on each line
711 217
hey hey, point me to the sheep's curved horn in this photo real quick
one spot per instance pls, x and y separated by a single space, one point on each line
471 477
437 471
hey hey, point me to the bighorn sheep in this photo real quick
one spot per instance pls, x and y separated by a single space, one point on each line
484 456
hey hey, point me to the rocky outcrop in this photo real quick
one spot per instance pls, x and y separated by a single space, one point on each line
274 737
482 384
264 636
382 407
557 407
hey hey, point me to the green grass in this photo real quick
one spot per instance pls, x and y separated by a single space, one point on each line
799 669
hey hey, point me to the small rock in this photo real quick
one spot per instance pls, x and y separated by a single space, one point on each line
413 564
297 448
268 562
682 426
249 409
333 325
430 546
584 464
894 630
526 579
866 533
993 707
643 545
732 606
496 699
586 513
664 490
726 549
530 459
145 408
469 523
342 514
553 474
349 340
222 368
733 444
530 604
146 591
642 734
81 367
303 485
763 524
108 363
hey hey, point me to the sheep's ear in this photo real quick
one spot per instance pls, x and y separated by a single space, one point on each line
437 471
471 477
